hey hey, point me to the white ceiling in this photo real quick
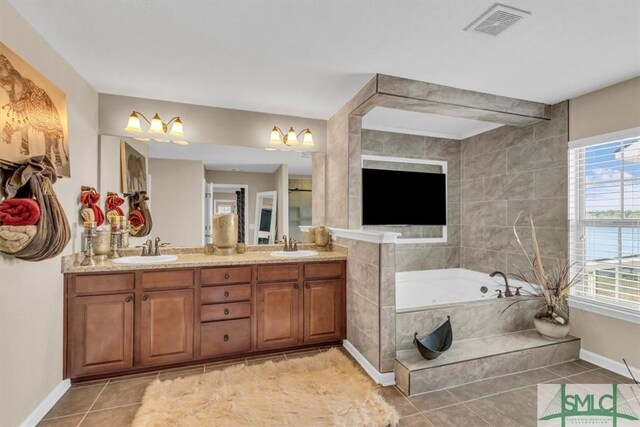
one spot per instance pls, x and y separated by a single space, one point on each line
411 122
234 158
307 58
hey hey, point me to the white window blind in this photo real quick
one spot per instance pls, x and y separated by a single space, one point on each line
604 222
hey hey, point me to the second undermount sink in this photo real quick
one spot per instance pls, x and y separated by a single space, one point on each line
293 254
146 259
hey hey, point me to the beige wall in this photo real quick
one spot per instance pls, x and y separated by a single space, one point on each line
606 110
207 124
177 201
31 294
606 336
257 182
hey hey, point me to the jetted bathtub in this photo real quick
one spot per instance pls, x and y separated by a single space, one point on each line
425 298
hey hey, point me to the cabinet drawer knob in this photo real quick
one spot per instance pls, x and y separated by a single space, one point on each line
307 286
226 294
226 275
295 286
226 311
226 337
145 297
128 299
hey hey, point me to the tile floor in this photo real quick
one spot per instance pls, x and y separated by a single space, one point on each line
503 401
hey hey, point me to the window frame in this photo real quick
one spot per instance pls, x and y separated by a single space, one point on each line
578 224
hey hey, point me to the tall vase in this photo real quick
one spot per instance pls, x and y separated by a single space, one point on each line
225 233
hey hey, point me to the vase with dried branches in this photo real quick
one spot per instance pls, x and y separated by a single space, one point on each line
550 286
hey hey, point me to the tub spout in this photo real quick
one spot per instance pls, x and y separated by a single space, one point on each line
507 290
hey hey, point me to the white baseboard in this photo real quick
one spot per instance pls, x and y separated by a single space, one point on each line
610 364
47 403
385 379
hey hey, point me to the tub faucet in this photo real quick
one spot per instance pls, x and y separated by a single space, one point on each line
507 290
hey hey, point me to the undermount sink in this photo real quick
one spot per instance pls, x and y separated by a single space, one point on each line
293 254
146 259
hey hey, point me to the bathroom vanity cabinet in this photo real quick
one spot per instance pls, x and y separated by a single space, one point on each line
130 321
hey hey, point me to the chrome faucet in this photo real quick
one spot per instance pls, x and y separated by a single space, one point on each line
507 290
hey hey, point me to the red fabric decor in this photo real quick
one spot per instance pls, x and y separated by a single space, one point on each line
137 218
98 215
89 199
19 212
113 203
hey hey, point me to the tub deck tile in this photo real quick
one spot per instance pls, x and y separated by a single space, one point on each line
478 348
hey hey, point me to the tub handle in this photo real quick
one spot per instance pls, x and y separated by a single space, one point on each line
499 291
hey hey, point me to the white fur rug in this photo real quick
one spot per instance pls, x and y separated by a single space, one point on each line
322 390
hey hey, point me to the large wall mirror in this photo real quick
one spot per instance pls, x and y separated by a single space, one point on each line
270 191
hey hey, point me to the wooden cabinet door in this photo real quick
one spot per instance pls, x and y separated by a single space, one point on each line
322 310
100 334
166 327
278 311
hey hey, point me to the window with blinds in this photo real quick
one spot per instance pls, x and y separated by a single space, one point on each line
604 222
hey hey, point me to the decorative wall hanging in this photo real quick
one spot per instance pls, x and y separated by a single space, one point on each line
133 169
139 215
113 203
33 114
91 211
37 233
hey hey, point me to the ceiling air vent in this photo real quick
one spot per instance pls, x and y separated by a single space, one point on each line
498 18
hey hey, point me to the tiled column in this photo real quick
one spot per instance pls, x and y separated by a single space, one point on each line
387 306
371 315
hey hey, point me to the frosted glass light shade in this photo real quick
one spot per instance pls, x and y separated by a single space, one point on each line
176 128
156 125
275 137
307 138
292 138
133 124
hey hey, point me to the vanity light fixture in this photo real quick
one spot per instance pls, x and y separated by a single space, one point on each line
281 141
157 127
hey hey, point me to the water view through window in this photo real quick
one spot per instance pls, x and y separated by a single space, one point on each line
606 231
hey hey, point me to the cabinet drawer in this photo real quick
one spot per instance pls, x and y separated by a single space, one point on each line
216 294
167 279
278 273
235 310
230 336
103 283
323 270
223 276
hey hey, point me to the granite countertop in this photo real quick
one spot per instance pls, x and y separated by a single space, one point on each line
194 257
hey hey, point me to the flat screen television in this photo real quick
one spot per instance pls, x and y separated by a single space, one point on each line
389 198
